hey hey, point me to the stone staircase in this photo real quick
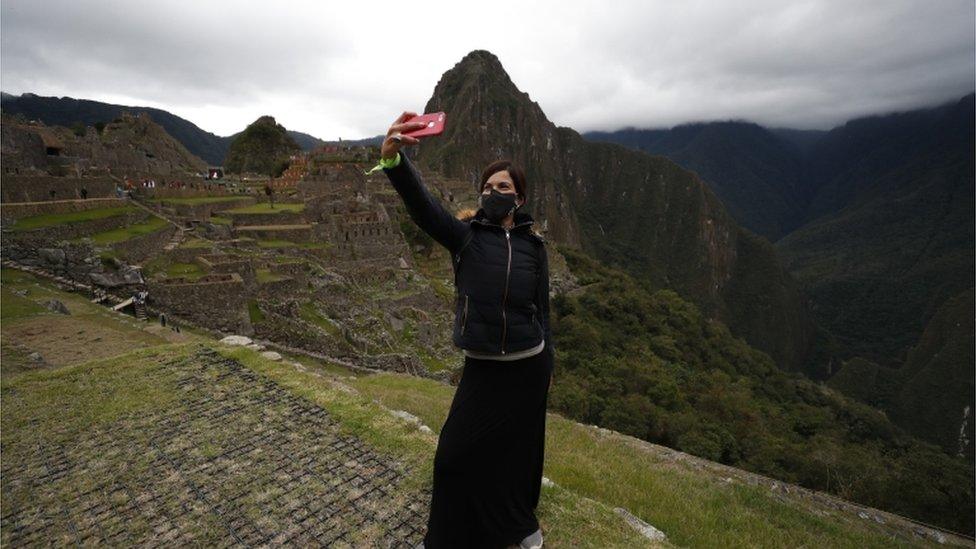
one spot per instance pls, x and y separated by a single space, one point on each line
140 309
178 237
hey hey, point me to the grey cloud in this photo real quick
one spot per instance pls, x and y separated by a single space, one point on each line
335 70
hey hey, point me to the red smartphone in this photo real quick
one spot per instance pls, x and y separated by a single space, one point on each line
435 124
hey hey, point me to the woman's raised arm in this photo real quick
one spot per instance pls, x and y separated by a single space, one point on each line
425 210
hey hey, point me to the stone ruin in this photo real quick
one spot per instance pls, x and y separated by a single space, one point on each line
297 276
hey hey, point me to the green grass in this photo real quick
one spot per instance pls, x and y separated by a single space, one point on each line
191 271
122 234
265 275
65 401
199 200
49 220
254 312
272 243
13 306
309 313
265 208
569 520
218 220
693 507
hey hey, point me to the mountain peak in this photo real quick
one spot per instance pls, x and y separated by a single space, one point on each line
480 69
480 58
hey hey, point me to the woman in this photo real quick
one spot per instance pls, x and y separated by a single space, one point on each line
488 465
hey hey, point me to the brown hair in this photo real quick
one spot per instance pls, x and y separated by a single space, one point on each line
518 176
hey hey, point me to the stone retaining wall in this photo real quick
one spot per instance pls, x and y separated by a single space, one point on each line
37 188
144 247
19 210
187 255
74 261
71 231
370 231
228 263
216 301
298 270
202 211
286 287
279 218
203 189
296 233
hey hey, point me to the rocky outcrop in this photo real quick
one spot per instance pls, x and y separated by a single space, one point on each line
264 147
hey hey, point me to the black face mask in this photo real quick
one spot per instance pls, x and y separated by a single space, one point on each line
498 206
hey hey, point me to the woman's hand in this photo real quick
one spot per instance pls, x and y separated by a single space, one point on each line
393 142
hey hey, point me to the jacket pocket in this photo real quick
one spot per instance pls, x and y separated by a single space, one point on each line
464 314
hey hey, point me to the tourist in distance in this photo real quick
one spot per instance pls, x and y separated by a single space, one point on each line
488 464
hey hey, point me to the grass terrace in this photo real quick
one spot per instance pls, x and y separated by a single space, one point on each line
127 437
49 220
265 208
290 244
310 313
191 271
122 234
265 275
694 507
199 200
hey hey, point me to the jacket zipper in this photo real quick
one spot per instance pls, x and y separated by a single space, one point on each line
508 272
464 316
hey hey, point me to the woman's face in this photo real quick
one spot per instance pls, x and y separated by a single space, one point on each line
501 182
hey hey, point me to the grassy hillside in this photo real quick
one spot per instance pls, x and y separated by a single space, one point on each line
647 363
120 395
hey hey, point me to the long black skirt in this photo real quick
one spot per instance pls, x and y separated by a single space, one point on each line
488 465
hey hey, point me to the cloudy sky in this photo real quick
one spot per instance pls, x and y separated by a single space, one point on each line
345 70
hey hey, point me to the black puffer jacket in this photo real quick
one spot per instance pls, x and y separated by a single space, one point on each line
501 276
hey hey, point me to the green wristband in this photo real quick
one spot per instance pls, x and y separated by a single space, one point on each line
385 164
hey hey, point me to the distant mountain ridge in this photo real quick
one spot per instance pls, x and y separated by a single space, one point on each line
881 238
66 111
755 173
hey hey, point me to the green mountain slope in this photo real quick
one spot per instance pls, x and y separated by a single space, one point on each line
899 236
263 147
880 238
649 364
755 172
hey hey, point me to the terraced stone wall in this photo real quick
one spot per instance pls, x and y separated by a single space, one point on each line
72 231
141 248
216 301
278 218
34 188
14 211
